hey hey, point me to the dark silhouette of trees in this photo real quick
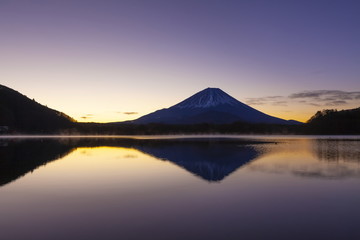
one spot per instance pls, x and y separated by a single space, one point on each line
332 121
24 115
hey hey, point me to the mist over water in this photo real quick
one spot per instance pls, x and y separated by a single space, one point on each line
180 188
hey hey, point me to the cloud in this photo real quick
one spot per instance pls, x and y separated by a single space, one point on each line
276 100
317 98
280 103
130 113
326 95
130 156
336 103
312 104
87 116
254 101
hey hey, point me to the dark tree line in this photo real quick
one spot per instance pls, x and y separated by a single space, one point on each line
331 121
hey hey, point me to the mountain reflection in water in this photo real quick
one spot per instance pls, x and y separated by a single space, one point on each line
210 159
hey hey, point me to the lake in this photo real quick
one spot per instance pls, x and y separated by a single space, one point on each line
197 187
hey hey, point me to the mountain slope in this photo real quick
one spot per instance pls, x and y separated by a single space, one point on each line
331 121
211 105
22 114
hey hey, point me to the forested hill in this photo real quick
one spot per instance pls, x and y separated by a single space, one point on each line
25 115
331 121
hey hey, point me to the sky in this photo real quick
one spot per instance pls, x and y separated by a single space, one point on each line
110 61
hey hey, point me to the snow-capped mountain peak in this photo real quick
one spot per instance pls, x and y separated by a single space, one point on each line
209 97
211 105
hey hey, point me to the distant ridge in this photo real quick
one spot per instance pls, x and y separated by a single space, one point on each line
211 105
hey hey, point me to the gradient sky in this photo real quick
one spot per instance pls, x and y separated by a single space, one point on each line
110 60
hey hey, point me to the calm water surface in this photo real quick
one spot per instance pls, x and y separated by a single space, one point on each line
180 188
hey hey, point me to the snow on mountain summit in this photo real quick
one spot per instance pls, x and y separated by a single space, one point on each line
209 97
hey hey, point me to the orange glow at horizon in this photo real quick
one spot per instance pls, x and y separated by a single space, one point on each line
101 114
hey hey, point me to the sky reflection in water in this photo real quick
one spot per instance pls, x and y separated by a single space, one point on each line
194 189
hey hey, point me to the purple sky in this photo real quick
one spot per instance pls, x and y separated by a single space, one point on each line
101 60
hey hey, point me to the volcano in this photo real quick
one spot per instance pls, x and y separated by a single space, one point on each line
211 105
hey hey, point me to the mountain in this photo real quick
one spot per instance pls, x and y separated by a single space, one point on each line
18 113
331 121
211 105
